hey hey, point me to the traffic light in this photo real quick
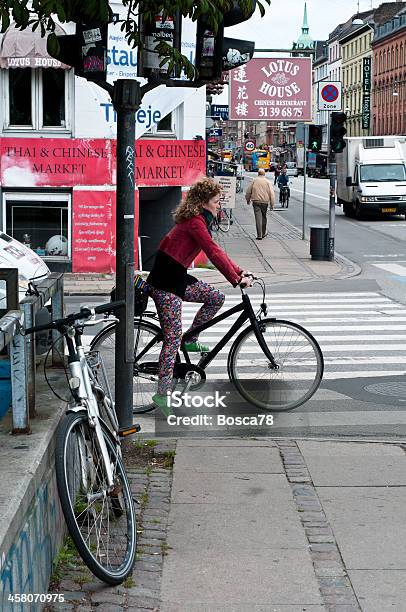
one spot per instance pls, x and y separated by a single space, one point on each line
315 138
157 28
85 51
214 53
337 132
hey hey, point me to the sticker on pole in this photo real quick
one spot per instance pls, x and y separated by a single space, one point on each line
330 96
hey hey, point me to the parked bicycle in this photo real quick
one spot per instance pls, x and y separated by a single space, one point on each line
274 364
223 220
92 483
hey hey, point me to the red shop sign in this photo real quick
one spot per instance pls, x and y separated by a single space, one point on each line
62 162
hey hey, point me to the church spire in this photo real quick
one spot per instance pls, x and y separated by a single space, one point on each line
305 26
304 46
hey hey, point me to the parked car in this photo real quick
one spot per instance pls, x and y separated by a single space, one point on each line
291 169
14 254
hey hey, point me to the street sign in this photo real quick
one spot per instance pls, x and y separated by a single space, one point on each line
330 96
272 89
216 132
249 145
220 110
366 93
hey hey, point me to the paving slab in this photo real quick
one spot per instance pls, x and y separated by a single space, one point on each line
368 524
213 459
225 577
356 464
380 591
223 529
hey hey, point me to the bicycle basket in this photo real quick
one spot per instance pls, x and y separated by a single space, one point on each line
140 295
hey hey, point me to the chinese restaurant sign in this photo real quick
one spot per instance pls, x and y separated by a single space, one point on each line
60 162
272 89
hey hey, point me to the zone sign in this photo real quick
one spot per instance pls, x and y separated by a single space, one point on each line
330 96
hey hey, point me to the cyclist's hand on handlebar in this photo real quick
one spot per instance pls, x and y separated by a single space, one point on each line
247 279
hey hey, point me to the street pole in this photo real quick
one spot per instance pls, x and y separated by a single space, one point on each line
332 205
306 138
126 100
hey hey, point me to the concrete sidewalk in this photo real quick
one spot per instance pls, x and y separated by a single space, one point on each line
286 526
263 525
282 257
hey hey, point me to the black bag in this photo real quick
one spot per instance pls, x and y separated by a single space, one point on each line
140 295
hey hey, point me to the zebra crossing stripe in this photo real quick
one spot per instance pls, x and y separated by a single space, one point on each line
360 334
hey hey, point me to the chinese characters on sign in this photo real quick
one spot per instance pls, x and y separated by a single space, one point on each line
366 93
274 89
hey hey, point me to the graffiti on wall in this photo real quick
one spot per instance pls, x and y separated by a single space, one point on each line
27 566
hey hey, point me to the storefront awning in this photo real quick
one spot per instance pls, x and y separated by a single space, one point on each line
27 49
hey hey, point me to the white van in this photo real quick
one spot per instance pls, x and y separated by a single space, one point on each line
371 176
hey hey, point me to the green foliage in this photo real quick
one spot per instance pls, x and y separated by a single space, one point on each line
42 14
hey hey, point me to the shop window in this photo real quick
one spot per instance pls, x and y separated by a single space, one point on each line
37 99
41 221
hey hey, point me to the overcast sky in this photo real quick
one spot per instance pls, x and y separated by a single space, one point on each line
283 21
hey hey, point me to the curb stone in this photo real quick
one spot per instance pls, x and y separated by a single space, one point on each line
335 586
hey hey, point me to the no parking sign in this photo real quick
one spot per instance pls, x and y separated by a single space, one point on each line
330 96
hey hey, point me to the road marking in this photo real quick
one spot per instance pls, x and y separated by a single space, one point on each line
393 268
314 195
384 256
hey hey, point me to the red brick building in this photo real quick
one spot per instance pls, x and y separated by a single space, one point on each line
389 76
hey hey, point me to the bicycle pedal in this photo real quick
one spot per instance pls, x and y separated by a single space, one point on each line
129 431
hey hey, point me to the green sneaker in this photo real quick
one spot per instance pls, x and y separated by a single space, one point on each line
196 347
162 402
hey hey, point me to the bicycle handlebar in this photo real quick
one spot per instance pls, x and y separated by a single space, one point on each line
85 313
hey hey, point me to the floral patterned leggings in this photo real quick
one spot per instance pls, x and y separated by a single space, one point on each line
169 309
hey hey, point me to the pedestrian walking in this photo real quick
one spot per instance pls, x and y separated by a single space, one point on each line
260 193
170 284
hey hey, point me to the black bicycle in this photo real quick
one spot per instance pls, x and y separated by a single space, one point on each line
284 196
274 364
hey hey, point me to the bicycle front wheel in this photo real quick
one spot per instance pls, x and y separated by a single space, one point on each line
101 519
299 359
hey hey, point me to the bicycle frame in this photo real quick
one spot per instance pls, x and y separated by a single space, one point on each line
247 313
84 395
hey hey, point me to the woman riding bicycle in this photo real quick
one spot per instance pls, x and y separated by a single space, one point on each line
170 284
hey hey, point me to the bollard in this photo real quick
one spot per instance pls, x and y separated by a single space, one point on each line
57 308
29 316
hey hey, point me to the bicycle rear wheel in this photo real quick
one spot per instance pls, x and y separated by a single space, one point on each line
101 522
145 383
300 366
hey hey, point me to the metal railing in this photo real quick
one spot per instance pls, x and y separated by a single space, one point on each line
22 348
